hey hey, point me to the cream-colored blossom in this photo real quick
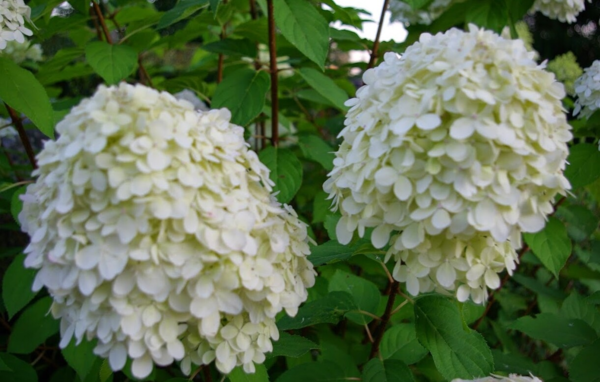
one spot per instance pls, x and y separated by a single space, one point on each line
404 13
498 378
587 91
20 52
154 231
13 14
461 142
562 10
566 69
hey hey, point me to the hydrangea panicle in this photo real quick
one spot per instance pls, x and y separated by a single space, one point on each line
154 230
453 150
562 10
13 14
587 91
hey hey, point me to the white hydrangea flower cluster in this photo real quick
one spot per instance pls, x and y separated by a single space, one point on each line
20 52
155 232
454 150
498 378
13 14
587 91
404 13
6 130
562 10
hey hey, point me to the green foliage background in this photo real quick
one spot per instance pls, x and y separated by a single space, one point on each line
355 325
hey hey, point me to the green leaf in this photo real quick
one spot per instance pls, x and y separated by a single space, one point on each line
291 346
255 30
365 294
20 371
214 4
16 286
457 353
321 207
325 87
584 165
33 327
417 4
400 342
490 14
551 245
243 92
556 329
82 6
232 47
325 310
538 287
239 375
329 252
387 371
576 306
183 9
324 371
23 92
16 204
112 62
585 366
4 366
286 171
581 222
314 148
81 357
304 27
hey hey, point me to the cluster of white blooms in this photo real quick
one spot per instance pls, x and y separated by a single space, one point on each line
562 10
404 13
20 52
6 130
155 232
497 378
587 90
13 14
453 150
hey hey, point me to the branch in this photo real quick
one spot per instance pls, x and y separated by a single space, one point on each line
102 22
144 76
274 77
22 135
385 319
376 42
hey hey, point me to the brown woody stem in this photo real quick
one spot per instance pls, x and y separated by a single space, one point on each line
102 22
376 42
385 319
274 78
16 119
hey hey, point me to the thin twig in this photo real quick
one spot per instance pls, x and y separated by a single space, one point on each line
16 119
144 76
196 372
369 333
206 374
376 42
368 314
274 77
385 319
95 20
387 272
102 22
400 306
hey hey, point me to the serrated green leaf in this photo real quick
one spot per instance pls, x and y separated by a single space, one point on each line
243 92
33 327
16 204
23 92
365 294
584 165
321 207
314 148
81 357
16 286
581 222
105 371
387 371
576 306
325 87
82 6
331 251
585 366
255 30
291 346
314 96
183 9
214 4
324 371
232 47
417 4
551 245
538 287
490 14
286 171
457 353
304 27
239 375
20 371
112 62
400 342
329 309
4 366
330 224
556 329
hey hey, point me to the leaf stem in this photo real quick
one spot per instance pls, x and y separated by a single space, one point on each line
385 319
16 119
376 42
274 77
